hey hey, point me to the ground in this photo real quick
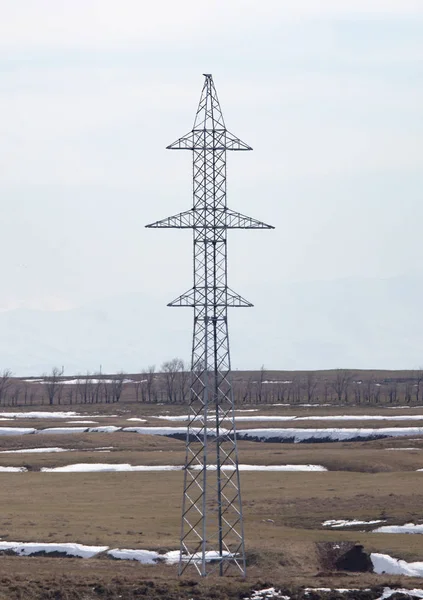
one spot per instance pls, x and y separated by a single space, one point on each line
287 546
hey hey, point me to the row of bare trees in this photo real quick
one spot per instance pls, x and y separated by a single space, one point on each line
171 385
341 386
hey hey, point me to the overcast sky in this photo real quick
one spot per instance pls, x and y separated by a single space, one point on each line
329 93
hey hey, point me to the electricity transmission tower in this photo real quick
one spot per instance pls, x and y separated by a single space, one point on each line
212 535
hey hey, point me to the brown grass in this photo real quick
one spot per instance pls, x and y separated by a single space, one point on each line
283 514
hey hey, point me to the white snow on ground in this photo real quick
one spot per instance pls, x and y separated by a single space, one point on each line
331 434
35 450
295 434
16 430
340 590
146 557
29 548
6 419
12 469
246 410
407 528
104 429
269 468
150 557
345 523
267 593
389 592
104 467
89 381
184 418
383 563
43 414
161 430
68 430
265 418
83 422
61 430
275 418
174 417
403 449
362 418
137 419
308 405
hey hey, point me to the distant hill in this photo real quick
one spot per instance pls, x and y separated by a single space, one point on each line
363 323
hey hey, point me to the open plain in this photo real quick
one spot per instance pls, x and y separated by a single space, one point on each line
290 547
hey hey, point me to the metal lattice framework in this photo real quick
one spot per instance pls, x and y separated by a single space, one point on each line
212 535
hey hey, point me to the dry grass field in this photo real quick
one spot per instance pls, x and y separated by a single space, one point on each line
284 511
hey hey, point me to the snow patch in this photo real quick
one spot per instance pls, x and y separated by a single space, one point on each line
383 563
162 430
61 430
267 593
13 469
274 468
16 430
334 523
29 548
137 419
362 418
104 468
83 422
298 435
104 429
404 449
389 592
146 557
35 450
43 414
407 528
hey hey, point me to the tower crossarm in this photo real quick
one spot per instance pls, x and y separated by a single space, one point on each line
225 218
210 139
198 296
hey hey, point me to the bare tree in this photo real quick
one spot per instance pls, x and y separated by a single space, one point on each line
325 391
296 389
419 384
184 380
310 386
368 390
53 384
171 368
259 384
341 384
393 392
357 390
138 389
83 388
118 381
5 383
96 391
408 390
150 384
246 390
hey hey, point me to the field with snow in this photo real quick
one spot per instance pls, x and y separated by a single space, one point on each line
104 484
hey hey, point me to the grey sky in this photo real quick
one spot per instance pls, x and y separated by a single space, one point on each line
328 93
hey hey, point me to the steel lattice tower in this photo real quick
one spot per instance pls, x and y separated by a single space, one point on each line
212 535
